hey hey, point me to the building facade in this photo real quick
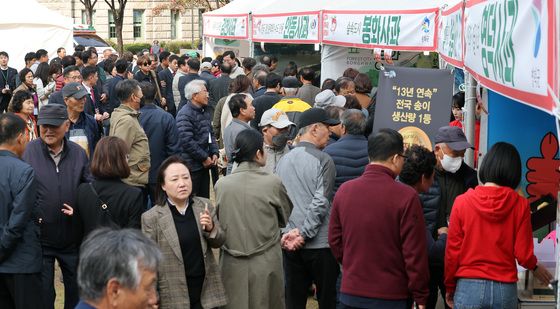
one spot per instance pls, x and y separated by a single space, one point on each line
140 24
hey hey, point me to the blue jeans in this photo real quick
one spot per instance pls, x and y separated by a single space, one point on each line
485 294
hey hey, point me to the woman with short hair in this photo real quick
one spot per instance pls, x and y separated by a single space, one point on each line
26 77
489 230
22 105
107 201
186 228
252 205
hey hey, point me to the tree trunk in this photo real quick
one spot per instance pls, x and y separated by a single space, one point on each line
89 16
118 30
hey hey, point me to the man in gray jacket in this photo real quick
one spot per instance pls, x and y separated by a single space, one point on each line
308 175
20 250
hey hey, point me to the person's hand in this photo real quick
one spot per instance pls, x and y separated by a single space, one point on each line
162 83
442 230
292 240
214 160
104 97
4 90
98 117
449 299
543 274
206 220
421 306
207 163
67 210
106 115
163 102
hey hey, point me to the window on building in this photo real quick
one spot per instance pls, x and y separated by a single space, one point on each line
175 19
138 23
112 29
84 18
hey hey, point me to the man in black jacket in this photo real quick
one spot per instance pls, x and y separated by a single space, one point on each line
7 81
60 167
219 87
268 99
194 66
20 250
113 101
161 129
166 77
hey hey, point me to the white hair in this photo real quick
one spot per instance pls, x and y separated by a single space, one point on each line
290 91
194 87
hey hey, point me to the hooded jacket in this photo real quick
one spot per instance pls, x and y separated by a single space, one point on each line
125 124
489 229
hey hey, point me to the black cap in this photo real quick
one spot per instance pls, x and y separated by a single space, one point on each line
290 82
52 114
452 137
75 90
315 115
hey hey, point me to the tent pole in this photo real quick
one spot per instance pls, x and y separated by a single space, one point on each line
470 106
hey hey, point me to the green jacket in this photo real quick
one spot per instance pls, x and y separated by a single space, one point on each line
125 124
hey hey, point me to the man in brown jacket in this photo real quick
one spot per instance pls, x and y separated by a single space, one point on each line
125 124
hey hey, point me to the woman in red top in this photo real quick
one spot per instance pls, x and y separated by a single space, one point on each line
489 229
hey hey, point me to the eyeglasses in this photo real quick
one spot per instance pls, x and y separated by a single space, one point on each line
147 64
403 156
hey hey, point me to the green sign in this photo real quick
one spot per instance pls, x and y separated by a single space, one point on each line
296 27
228 27
497 50
381 29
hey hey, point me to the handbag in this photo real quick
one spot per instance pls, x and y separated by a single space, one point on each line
106 217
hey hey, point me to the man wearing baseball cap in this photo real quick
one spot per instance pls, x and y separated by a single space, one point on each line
452 178
83 130
205 72
60 167
275 127
308 175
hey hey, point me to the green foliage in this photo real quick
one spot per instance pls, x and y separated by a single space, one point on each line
176 46
135 48
112 44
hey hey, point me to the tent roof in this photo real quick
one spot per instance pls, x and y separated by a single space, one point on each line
30 12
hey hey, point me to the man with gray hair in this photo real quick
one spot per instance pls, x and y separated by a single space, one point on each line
118 269
291 104
197 142
349 153
259 83
308 175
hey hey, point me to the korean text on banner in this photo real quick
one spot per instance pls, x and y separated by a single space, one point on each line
510 48
295 28
450 35
415 102
399 30
226 27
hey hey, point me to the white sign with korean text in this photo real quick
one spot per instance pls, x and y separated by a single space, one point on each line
226 27
399 30
290 29
450 35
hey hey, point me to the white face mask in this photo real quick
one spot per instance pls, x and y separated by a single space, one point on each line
451 164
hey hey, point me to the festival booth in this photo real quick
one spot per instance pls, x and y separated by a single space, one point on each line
27 26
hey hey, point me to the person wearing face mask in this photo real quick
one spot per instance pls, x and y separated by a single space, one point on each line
453 177
275 127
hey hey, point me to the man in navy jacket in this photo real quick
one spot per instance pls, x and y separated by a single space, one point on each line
20 249
60 167
161 129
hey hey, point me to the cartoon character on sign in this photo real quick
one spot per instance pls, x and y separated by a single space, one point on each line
543 175
426 25
333 23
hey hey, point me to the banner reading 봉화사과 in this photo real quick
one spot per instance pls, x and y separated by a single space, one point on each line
413 30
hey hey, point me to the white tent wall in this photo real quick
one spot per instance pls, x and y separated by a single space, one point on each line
27 26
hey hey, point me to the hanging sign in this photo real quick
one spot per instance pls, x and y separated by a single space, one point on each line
511 48
293 28
226 26
450 35
412 30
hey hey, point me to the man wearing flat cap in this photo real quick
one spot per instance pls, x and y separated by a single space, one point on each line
308 175
60 166
291 104
452 178
83 130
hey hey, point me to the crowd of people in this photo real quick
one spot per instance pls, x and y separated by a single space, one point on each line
108 169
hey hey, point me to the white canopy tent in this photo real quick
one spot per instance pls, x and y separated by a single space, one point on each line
27 26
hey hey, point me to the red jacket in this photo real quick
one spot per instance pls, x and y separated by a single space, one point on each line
377 231
489 228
